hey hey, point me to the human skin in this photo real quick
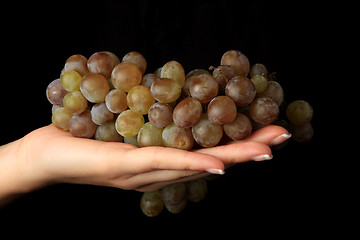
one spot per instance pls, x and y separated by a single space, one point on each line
49 155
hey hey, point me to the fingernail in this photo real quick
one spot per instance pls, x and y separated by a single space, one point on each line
215 171
262 157
280 139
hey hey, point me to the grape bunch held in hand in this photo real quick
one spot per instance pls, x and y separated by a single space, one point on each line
109 99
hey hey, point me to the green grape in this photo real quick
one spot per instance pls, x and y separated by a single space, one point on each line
94 87
151 203
165 90
129 123
258 69
149 135
70 81
75 102
196 190
174 193
125 76
299 112
174 70
139 99
61 117
108 133
260 82
176 208
177 137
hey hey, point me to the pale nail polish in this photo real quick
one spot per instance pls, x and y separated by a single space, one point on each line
262 157
215 171
280 139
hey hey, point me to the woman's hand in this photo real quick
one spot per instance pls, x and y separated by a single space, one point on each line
49 155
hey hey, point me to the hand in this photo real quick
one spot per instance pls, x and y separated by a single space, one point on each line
49 155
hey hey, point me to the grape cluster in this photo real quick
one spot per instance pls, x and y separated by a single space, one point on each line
112 100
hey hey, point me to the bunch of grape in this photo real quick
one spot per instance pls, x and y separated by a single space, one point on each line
112 100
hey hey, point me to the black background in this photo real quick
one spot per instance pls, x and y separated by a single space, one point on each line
38 38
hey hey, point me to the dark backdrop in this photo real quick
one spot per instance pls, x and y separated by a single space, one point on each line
38 38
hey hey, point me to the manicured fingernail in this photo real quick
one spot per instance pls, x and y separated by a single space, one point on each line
280 139
262 157
215 171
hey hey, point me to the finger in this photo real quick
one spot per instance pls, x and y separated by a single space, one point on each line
161 158
238 152
270 135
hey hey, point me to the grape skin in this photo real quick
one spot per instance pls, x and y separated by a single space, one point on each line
77 63
101 63
60 118
238 129
221 110
149 135
129 123
75 102
100 114
151 203
139 99
116 101
70 81
273 91
206 133
203 87
82 126
55 92
94 87
187 112
241 90
137 59
165 90
125 76
299 112
264 110
160 114
174 70
177 137
108 133
238 61
174 193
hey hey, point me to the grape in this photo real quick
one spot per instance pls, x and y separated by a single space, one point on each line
165 90
174 70
158 72
258 69
238 61
196 190
260 82
273 91
177 208
303 133
77 63
82 126
60 118
101 63
94 87
100 114
139 99
264 110
114 58
116 101
222 74
70 81
137 59
131 140
187 112
160 114
75 102
238 129
125 76
149 135
174 193
299 112
128 123
206 133
196 72
148 79
241 90
203 87
151 203
177 137
55 92
108 133
221 110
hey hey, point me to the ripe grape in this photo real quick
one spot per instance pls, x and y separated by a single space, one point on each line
187 112
77 63
151 203
203 87
176 208
137 59
174 193
206 133
149 135
55 92
108 133
197 190
116 101
238 129
165 90
100 114
260 82
128 123
177 137
221 110
196 72
241 90
222 74
60 118
299 112
273 91
258 69
70 81
101 63
125 76
160 114
131 140
264 110
75 102
139 99
82 126
94 87
238 61
148 79
174 70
